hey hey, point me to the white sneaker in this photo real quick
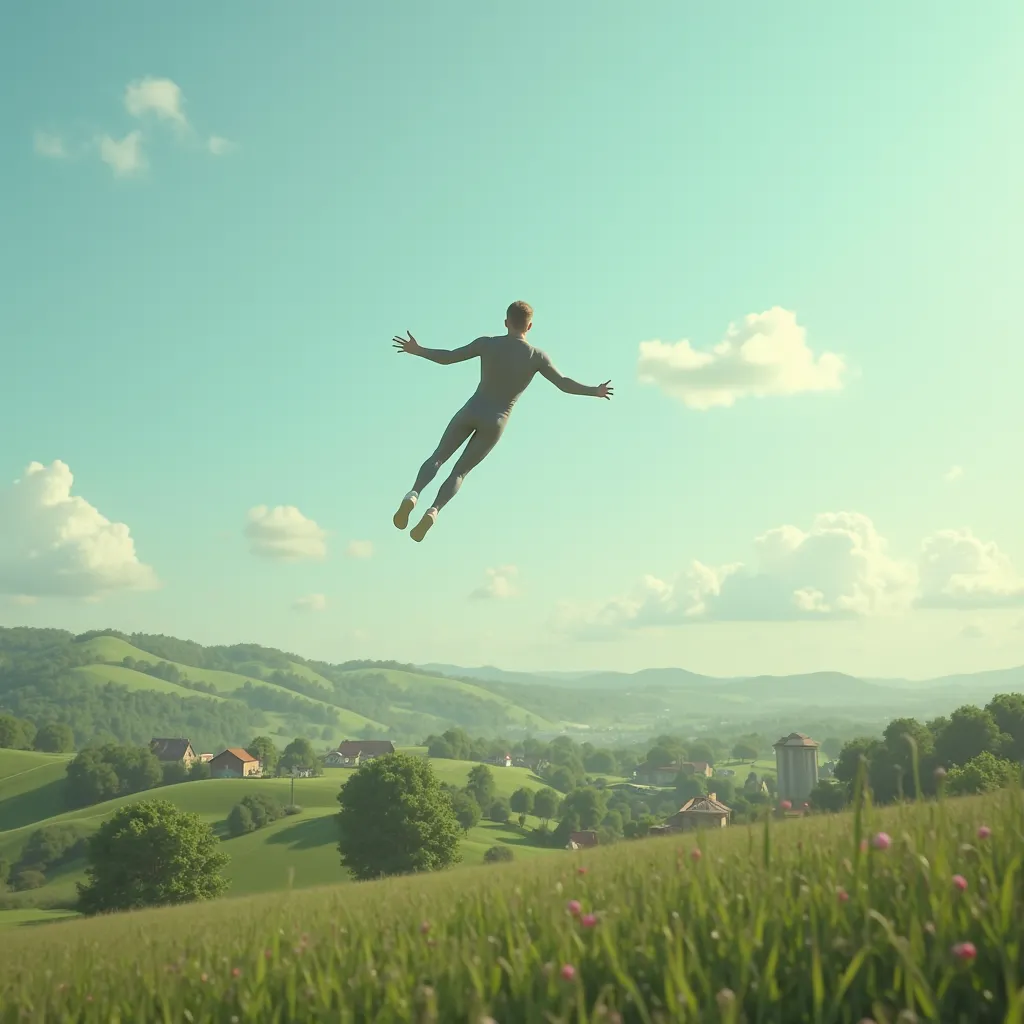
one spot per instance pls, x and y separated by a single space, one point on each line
401 517
419 531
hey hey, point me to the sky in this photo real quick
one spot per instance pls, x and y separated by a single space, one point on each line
791 239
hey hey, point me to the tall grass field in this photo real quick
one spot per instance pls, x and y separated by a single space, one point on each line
911 913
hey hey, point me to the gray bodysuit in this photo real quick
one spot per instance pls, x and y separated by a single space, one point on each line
507 365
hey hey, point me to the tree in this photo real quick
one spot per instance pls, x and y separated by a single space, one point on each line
660 757
724 789
262 747
173 772
16 733
702 751
744 752
498 855
831 746
55 738
1008 711
982 774
396 819
828 796
240 820
561 778
480 785
499 810
522 801
971 731
299 754
600 762
151 854
688 787
467 810
545 804
849 757
588 805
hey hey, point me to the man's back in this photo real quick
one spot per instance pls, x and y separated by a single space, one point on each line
507 365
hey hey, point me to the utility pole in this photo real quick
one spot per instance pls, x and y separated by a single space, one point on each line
292 800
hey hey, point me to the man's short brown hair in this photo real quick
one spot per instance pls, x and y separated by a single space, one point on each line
519 314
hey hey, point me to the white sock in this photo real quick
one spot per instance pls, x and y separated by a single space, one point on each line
411 496
432 512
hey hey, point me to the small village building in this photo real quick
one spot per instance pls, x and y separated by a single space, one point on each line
234 763
353 753
698 768
796 761
172 751
582 840
500 760
701 812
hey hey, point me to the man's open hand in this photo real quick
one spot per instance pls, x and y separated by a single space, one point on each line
605 390
409 346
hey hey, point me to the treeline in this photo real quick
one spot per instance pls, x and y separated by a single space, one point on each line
972 751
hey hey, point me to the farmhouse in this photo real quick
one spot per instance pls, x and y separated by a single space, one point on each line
698 768
500 760
701 812
169 751
352 753
582 840
649 775
234 763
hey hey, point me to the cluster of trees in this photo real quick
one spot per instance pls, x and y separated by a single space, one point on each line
103 773
49 847
21 734
254 811
980 749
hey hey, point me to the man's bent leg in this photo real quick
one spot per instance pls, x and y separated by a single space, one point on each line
452 439
480 444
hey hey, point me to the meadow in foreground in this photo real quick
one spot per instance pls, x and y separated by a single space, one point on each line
829 919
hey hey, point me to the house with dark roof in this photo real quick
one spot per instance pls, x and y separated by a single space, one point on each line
352 753
169 751
582 840
701 812
234 763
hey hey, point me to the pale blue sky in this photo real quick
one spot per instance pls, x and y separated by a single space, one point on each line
212 333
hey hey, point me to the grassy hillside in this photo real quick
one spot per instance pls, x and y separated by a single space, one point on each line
31 787
791 923
296 851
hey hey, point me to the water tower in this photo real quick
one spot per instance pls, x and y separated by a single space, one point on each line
796 762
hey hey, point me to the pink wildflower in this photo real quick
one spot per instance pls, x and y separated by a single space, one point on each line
984 832
786 805
568 972
588 920
842 895
236 972
959 882
964 952
573 906
882 841
581 870
695 854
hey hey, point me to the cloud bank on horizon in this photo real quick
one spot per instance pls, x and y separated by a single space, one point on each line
840 568
764 355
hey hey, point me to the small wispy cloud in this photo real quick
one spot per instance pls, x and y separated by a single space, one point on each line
123 156
159 96
953 474
499 584
311 603
974 631
51 146
359 549
219 146
285 534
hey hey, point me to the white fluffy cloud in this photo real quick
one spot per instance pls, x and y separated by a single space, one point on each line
499 583
839 568
53 544
958 570
219 146
284 533
159 96
124 156
311 603
766 354
359 549
51 146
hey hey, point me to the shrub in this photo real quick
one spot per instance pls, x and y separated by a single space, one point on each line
500 810
498 854
30 878
292 809
240 821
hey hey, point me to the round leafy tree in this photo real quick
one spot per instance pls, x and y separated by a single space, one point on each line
395 819
151 854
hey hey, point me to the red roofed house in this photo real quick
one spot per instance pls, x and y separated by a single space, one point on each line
582 840
234 763
701 812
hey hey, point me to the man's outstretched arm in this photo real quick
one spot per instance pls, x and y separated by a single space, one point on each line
410 346
574 387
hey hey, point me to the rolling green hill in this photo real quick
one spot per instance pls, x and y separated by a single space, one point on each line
294 852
